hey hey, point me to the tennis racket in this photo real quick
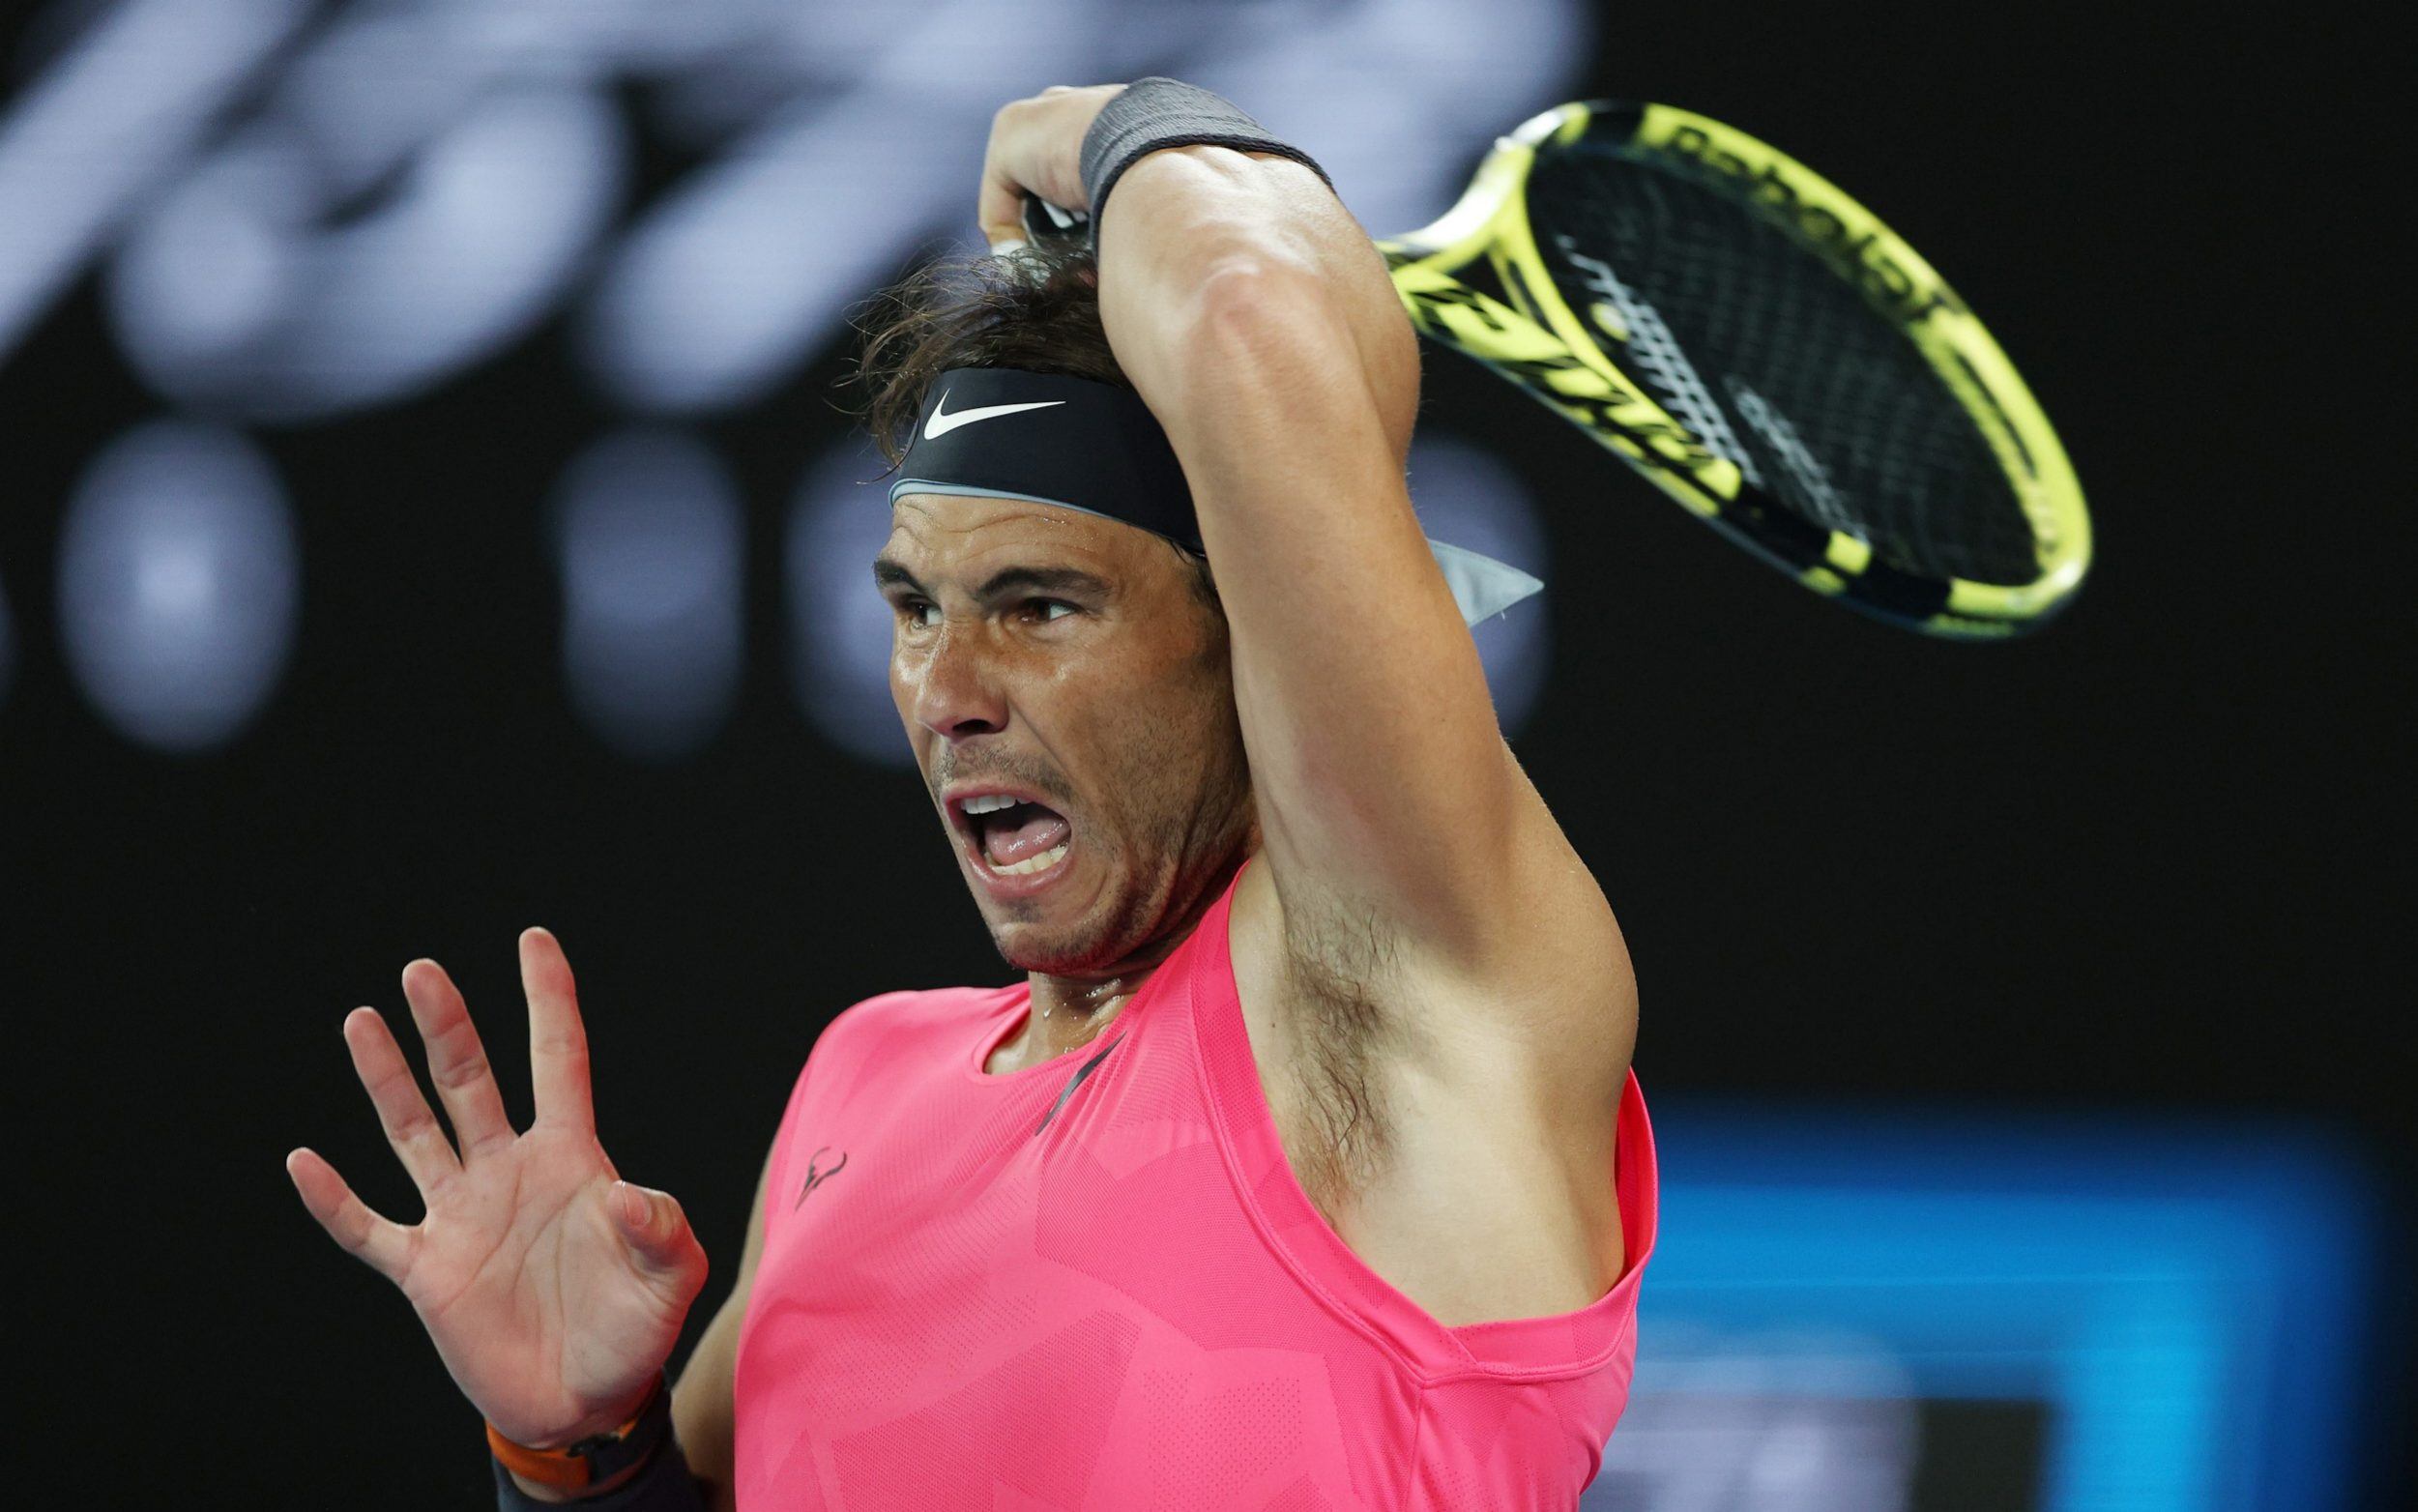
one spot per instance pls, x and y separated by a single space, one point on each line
1763 350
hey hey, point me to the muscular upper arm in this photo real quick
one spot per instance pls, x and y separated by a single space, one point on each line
702 1415
1253 314
1259 326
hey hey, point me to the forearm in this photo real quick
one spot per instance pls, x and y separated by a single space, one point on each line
1195 226
1259 324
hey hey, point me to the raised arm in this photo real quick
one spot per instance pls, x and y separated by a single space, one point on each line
1257 319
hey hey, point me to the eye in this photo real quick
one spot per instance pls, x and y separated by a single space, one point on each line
921 613
1048 609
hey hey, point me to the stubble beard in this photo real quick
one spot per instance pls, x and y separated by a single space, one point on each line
1112 931
1186 851
1164 858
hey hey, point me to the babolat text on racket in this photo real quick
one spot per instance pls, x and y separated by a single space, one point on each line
1762 348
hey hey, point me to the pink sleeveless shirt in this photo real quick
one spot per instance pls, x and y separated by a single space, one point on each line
1094 1284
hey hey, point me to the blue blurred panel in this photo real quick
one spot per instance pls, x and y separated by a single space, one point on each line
2182 1302
180 584
650 532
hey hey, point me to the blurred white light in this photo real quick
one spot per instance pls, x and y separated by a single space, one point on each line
1467 497
839 625
745 270
651 537
251 288
179 583
736 278
423 180
213 261
123 106
1395 98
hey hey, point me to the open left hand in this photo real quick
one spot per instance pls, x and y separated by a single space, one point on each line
552 1288
1037 145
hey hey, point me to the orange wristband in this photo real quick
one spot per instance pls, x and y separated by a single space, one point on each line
578 1466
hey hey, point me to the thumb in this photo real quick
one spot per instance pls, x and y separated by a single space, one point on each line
653 1223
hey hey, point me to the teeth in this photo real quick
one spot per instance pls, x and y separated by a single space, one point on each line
990 804
1033 864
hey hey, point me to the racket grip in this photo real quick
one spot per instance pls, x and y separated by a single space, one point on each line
1044 221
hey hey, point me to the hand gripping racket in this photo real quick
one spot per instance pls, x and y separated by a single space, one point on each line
1764 351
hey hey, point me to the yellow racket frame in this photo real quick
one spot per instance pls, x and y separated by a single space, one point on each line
1573 367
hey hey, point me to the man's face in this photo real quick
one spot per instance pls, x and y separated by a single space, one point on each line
1067 690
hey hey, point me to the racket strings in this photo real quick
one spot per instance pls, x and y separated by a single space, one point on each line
1840 419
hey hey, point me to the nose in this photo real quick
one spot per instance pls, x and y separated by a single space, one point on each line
956 693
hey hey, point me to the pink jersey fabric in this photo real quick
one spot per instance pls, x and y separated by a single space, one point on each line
1134 1308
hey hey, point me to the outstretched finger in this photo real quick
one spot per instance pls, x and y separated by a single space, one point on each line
558 1041
402 1111
381 1244
457 1063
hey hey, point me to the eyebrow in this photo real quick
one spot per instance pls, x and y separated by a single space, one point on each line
889 573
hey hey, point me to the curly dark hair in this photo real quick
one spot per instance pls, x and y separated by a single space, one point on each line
1038 310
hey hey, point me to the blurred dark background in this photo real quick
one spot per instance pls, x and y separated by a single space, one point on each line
2123 875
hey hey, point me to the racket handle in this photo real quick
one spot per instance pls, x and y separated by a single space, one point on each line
1044 221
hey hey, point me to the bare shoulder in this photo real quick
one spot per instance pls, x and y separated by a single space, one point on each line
1455 1128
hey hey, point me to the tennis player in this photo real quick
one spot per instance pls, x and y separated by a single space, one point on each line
1304 1168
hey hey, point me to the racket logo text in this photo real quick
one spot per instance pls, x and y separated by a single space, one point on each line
1910 299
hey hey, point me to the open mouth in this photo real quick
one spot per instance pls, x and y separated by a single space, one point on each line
1011 836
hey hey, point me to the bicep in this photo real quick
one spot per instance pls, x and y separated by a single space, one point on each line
703 1415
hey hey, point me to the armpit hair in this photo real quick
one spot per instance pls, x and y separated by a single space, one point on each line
1339 962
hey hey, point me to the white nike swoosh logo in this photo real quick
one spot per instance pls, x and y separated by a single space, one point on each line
943 422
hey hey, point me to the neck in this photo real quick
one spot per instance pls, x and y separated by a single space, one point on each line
1069 1012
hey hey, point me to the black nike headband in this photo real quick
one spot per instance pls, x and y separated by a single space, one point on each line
1002 433
1005 433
